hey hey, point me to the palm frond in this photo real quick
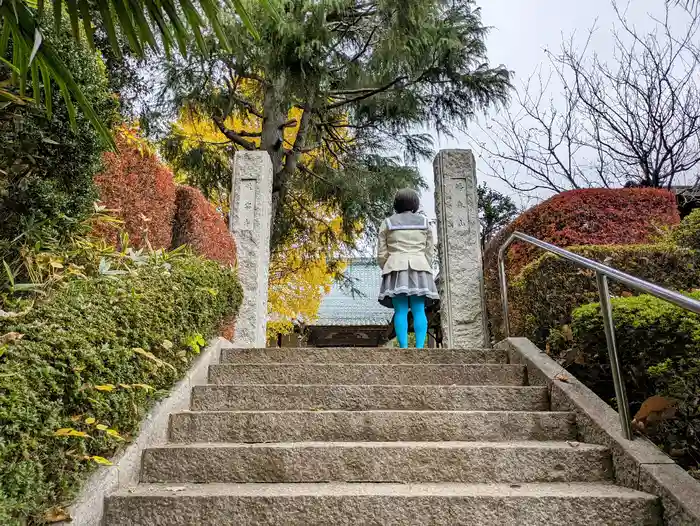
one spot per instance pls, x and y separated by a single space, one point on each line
138 20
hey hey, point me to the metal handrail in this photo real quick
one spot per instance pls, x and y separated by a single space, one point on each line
603 272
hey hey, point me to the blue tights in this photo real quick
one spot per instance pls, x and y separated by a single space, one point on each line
420 321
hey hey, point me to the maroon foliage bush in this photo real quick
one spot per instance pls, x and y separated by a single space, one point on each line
142 190
200 226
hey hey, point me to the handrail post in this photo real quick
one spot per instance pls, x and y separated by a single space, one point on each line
503 279
619 383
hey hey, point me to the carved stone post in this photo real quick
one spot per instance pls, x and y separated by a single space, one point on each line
249 222
462 312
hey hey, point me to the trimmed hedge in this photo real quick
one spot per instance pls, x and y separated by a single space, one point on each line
659 348
101 348
545 293
687 234
141 189
198 225
580 217
151 206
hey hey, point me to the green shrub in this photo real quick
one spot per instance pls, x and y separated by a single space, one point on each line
592 216
46 168
547 290
102 348
659 349
687 234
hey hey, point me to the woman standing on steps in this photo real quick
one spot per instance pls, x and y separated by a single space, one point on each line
404 254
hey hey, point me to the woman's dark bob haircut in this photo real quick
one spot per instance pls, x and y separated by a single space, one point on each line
406 200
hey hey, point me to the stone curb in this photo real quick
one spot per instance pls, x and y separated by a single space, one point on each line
638 464
88 507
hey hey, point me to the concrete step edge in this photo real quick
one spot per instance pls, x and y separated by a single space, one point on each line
279 365
375 386
362 349
569 445
360 355
218 397
356 373
339 489
407 462
369 426
379 411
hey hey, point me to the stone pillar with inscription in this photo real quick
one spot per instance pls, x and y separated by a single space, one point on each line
462 312
249 222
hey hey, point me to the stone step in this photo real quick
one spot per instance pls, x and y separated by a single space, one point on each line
373 426
401 374
362 355
378 462
368 397
339 504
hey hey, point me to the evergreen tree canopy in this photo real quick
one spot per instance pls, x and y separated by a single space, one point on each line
355 79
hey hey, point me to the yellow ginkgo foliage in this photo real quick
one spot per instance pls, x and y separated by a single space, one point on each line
302 272
198 129
297 284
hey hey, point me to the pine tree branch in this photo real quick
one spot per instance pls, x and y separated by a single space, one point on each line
256 77
359 54
360 11
355 91
339 125
329 149
309 171
233 136
292 157
313 216
288 124
249 106
366 95
336 138
307 149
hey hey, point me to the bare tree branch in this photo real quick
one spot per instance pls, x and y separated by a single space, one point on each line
632 119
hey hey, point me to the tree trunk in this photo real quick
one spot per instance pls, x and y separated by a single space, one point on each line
274 116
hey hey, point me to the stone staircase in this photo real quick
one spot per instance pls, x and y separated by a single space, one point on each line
374 437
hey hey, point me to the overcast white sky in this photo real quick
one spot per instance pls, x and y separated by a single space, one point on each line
523 29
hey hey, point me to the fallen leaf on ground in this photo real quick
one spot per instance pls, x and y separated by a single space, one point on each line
654 409
10 337
56 515
6 314
101 460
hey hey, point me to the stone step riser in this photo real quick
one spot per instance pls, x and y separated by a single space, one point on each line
367 374
494 507
377 463
368 397
377 426
362 355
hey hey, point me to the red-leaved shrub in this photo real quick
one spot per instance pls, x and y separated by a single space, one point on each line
198 225
141 189
624 216
580 217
